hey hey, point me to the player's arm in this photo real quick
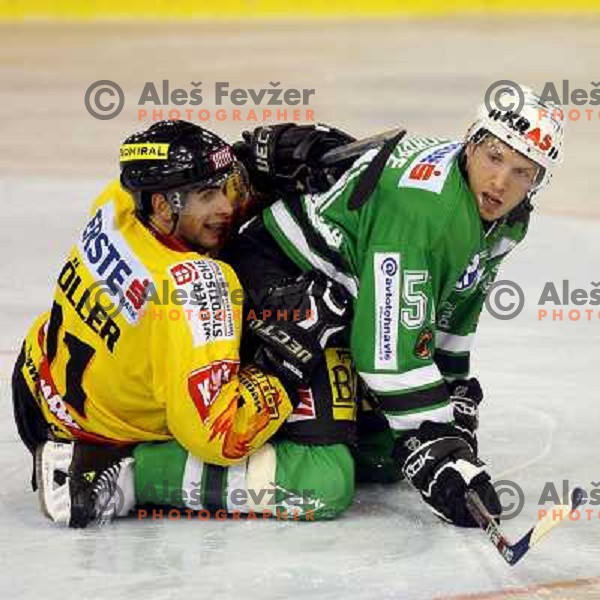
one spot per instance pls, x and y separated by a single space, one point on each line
458 318
457 322
299 319
218 410
222 412
435 457
284 159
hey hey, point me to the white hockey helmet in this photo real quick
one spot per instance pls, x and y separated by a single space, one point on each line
522 120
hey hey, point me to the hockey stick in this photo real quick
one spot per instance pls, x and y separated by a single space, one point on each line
513 553
354 149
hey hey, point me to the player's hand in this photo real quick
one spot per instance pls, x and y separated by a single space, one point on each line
466 396
439 462
298 320
284 158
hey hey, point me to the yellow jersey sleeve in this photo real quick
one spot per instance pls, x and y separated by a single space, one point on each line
217 410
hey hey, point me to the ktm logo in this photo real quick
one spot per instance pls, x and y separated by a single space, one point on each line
204 384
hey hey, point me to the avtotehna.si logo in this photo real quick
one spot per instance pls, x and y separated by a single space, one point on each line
387 298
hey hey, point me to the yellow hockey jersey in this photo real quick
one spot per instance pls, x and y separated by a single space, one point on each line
142 344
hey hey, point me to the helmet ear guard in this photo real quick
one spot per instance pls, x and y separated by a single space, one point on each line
176 199
143 202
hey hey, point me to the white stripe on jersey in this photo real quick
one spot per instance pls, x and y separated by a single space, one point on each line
398 382
454 343
192 483
292 231
442 414
503 246
236 480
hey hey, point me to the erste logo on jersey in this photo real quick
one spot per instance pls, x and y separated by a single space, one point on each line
204 384
208 294
471 275
430 168
110 260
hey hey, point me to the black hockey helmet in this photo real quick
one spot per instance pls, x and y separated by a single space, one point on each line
177 155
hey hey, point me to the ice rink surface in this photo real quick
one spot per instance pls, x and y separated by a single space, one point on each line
541 413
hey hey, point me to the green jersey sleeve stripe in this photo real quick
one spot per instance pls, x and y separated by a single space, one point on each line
297 209
454 343
397 382
442 414
457 365
290 229
415 400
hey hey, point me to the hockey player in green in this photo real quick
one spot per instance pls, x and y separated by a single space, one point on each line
415 232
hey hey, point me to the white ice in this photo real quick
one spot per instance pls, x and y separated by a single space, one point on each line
539 424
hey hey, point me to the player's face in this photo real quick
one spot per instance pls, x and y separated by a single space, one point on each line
206 219
499 177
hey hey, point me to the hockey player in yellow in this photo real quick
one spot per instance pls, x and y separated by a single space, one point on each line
150 370
142 342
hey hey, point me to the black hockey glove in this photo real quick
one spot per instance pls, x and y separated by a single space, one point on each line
466 396
297 321
439 463
284 159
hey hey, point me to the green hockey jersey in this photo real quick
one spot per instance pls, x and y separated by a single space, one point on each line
418 263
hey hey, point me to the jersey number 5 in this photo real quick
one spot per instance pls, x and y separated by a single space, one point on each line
414 310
